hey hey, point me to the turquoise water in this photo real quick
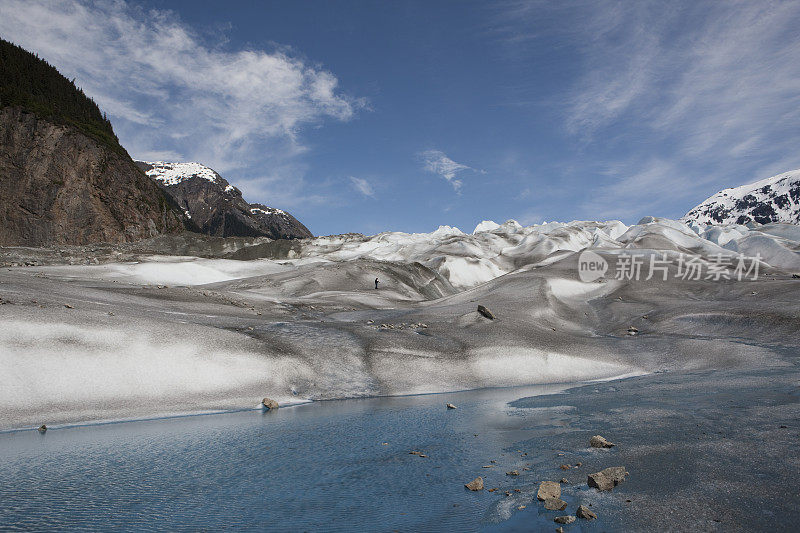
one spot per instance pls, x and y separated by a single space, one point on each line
315 467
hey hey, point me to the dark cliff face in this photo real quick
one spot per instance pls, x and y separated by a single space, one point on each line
60 186
216 207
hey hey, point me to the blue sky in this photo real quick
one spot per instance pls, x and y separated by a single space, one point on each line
373 116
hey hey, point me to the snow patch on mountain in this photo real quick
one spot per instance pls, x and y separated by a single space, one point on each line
775 199
263 210
174 173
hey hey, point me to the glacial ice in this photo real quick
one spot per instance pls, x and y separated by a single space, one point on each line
225 333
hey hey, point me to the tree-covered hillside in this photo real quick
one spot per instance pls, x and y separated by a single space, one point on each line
31 83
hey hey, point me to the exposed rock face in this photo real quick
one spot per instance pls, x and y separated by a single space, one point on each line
59 186
217 207
607 479
775 199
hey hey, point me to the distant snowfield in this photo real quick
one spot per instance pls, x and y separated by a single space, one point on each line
172 270
309 327
492 250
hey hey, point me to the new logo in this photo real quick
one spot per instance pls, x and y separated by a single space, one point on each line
591 266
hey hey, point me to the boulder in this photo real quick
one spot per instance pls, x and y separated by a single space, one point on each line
795 276
269 404
599 442
485 312
607 479
513 473
585 513
475 484
555 504
42 428
548 489
564 519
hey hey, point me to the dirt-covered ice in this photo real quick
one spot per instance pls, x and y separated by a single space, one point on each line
170 333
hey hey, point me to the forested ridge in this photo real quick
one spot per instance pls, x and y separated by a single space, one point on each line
29 82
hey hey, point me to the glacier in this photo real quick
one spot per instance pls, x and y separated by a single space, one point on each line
173 334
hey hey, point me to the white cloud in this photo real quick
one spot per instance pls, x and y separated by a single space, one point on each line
720 74
679 98
170 91
437 162
362 186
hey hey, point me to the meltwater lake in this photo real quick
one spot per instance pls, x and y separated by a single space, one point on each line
324 466
345 465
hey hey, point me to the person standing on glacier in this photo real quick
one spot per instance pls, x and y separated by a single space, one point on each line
376 283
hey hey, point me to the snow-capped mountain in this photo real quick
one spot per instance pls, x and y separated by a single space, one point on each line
217 207
775 199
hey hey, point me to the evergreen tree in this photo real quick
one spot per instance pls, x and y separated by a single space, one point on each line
28 82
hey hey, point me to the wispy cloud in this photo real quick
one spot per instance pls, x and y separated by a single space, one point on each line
636 189
362 186
437 162
678 97
529 218
171 91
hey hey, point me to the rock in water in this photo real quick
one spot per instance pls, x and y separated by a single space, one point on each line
269 404
795 276
555 504
599 442
451 406
485 312
585 512
548 490
475 484
607 479
42 428
564 519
